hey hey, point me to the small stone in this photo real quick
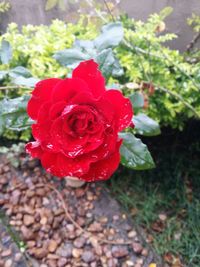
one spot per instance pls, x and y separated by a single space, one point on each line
39 253
31 244
18 257
95 227
103 220
28 220
112 263
15 197
144 252
27 233
44 220
132 234
2 263
6 253
8 263
62 262
79 242
119 251
65 251
76 253
79 192
88 256
162 217
137 248
129 263
52 246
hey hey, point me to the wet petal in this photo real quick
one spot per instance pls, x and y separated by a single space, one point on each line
69 88
41 94
34 149
103 169
89 72
122 107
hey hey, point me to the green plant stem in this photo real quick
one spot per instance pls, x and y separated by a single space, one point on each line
178 97
14 87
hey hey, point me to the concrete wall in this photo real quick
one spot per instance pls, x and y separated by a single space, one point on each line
33 12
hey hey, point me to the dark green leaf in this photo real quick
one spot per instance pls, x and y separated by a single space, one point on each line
5 52
70 57
106 59
112 35
3 74
135 154
13 114
145 125
137 100
108 64
20 71
29 82
50 4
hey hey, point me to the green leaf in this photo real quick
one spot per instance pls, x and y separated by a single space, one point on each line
135 154
5 52
112 35
13 114
137 100
70 57
3 74
105 59
29 82
50 4
20 71
145 125
108 64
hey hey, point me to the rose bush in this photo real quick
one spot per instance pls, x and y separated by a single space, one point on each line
77 124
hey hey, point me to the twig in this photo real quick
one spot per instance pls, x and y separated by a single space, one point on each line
178 97
192 43
14 87
108 9
86 232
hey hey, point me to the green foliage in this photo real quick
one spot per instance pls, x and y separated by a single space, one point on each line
34 46
5 52
13 114
145 125
4 6
53 3
176 82
135 154
194 22
99 49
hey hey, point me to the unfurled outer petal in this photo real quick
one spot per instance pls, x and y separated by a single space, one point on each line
34 149
88 71
42 93
122 107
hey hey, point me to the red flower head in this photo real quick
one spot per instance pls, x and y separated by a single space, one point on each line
77 124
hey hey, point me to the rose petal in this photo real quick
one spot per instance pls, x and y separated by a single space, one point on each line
122 107
69 88
103 169
89 72
34 149
41 93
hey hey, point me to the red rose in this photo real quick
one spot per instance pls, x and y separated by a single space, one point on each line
77 124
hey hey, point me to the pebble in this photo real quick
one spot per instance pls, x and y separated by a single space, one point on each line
28 220
88 256
62 262
8 263
52 246
6 253
18 257
119 251
79 242
137 247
